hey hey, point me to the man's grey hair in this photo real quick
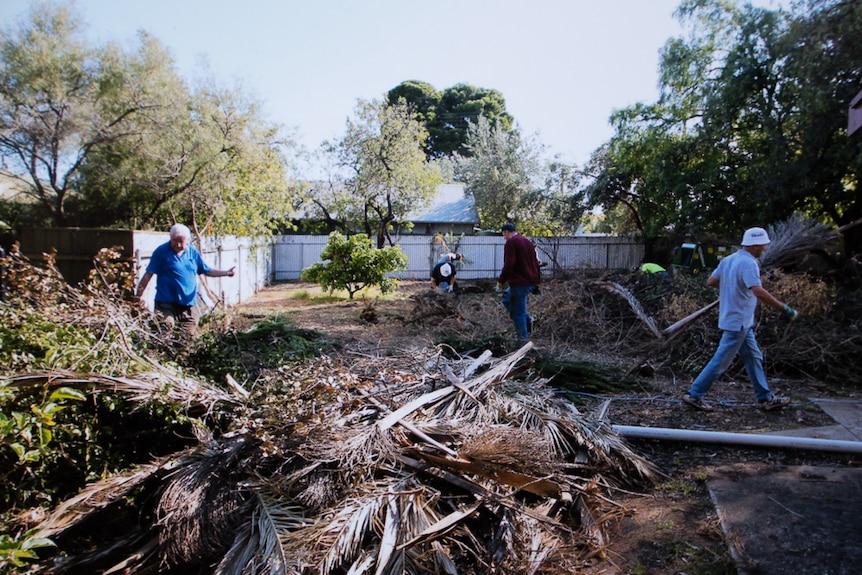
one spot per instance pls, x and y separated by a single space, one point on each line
181 230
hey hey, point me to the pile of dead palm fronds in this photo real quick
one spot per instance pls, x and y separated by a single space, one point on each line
796 237
464 468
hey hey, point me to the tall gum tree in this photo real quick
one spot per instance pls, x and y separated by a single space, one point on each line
112 137
206 157
59 101
386 172
497 171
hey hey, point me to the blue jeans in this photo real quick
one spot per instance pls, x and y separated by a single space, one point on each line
733 342
515 301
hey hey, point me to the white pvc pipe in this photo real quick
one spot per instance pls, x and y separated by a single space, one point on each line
757 440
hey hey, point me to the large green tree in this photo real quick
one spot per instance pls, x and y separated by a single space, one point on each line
102 136
750 126
447 114
209 159
498 171
60 100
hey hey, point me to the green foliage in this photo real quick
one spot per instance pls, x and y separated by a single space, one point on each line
460 106
54 440
28 432
387 175
270 343
750 127
31 340
60 99
31 435
19 552
446 115
352 263
98 135
498 172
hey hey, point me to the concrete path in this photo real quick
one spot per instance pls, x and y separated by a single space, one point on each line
798 520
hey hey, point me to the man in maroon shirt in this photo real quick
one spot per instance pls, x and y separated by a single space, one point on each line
520 276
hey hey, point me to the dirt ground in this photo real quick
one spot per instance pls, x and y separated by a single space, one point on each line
671 528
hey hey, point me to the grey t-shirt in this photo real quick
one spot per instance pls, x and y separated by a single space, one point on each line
737 274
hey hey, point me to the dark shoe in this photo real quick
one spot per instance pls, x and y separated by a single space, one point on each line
777 402
531 321
697 403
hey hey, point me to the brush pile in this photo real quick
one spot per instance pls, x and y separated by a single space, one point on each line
461 469
456 455
426 463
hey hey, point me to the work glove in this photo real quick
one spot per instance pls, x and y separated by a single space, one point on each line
790 313
499 288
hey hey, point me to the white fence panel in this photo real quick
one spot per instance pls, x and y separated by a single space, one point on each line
253 267
286 257
483 255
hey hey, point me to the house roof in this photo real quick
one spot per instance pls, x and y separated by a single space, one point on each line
451 205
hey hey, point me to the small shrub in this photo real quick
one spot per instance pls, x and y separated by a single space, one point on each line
352 263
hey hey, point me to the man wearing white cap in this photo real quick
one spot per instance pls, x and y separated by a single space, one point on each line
443 274
737 278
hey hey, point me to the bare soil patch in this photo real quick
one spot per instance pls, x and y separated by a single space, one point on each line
669 529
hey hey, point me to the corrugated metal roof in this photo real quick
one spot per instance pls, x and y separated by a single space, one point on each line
450 205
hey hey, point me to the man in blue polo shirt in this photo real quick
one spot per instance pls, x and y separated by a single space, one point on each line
177 264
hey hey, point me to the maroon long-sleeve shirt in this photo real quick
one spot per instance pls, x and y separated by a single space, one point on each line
520 264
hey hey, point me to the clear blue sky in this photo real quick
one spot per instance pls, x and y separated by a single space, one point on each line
563 66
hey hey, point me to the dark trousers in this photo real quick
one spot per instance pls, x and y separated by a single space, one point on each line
182 316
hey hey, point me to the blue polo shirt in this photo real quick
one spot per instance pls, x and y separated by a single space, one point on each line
176 274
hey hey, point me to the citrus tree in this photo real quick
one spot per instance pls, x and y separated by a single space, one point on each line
352 263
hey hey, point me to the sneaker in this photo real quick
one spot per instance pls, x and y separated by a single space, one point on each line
777 402
697 403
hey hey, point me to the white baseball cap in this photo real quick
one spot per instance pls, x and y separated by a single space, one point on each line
755 237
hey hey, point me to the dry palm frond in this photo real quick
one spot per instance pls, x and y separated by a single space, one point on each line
794 237
536 545
140 387
505 447
636 306
98 495
200 507
473 477
257 548
565 432
441 398
344 535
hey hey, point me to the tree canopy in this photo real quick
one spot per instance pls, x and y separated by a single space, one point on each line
446 115
383 173
510 182
750 127
101 136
